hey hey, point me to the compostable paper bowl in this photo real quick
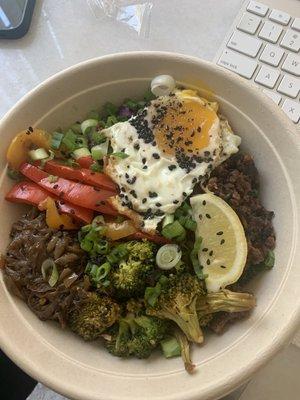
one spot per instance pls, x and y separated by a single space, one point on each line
86 371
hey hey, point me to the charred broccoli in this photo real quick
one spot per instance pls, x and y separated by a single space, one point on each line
177 302
129 275
185 351
136 337
225 300
93 316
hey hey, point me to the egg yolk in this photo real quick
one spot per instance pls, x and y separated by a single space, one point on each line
185 126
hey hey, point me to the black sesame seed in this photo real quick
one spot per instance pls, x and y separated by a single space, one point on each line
205 249
222 241
220 233
204 202
208 216
30 129
156 156
154 143
194 180
126 176
208 261
158 204
144 200
55 186
175 201
133 193
136 146
144 160
211 253
199 129
184 194
207 153
145 167
152 194
172 167
222 266
200 216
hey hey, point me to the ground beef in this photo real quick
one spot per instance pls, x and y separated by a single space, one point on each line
32 242
237 182
222 320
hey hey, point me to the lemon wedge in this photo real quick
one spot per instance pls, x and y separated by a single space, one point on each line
223 251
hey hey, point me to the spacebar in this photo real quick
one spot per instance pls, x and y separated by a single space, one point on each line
238 63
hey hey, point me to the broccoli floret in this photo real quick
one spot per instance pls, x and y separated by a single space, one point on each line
135 307
225 300
136 337
177 302
185 351
93 317
129 277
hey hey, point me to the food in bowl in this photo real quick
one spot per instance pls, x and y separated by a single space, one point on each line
146 224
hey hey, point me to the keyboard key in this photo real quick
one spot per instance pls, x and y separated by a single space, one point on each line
291 41
296 24
249 23
270 32
292 110
289 86
267 77
292 64
244 44
273 96
281 17
272 55
257 8
235 62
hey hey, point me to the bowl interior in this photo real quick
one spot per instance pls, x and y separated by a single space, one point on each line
66 101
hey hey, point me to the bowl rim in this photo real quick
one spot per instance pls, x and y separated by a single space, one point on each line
275 344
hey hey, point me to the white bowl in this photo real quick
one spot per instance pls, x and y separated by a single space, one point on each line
82 370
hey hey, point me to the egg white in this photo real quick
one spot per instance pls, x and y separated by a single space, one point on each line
147 183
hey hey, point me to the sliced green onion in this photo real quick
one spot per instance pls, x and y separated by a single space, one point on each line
50 272
56 140
170 347
76 128
13 174
168 256
97 273
87 125
117 253
52 178
173 230
195 260
169 218
152 294
82 152
99 151
69 140
38 154
190 224
96 137
120 154
270 259
110 109
111 120
96 167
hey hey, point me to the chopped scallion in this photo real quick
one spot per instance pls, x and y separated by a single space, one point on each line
56 140
120 154
170 347
173 230
50 272
38 154
99 151
87 125
82 152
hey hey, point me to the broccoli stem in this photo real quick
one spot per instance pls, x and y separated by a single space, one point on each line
185 351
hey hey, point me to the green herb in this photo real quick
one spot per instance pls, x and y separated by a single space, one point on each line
69 140
270 259
120 154
173 230
97 273
92 239
153 293
110 109
111 120
96 167
87 125
170 347
194 258
118 253
52 178
148 96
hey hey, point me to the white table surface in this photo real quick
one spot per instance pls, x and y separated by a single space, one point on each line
65 32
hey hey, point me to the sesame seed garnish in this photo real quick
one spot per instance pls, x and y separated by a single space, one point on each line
30 129
172 167
136 146
152 194
144 160
133 193
208 261
145 167
204 202
222 266
194 180
222 241
175 201
220 233
184 194
158 204
144 200
126 176
55 186
156 156
211 253
205 249
208 216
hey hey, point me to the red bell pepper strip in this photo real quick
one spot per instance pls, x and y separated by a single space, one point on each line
30 193
80 174
85 162
152 238
74 192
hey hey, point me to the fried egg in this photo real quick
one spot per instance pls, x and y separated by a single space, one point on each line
169 146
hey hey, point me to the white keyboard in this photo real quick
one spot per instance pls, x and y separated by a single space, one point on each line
263 46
